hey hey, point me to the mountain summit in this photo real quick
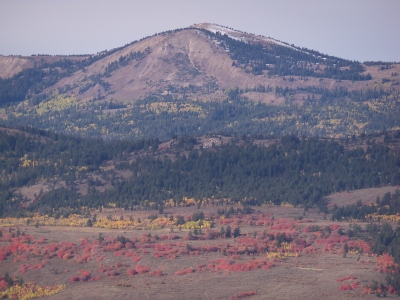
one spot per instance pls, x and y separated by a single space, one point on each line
199 61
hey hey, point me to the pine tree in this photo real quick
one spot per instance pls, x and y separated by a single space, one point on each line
236 232
222 232
228 232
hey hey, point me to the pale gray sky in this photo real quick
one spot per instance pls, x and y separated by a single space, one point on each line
352 29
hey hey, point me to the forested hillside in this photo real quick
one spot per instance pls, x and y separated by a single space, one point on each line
293 171
29 156
246 170
339 113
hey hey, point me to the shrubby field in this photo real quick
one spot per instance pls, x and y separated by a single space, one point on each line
257 253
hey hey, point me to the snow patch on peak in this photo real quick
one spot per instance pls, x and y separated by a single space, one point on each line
233 34
240 36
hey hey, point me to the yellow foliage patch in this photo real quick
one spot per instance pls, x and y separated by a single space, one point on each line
387 218
196 224
30 291
58 103
74 220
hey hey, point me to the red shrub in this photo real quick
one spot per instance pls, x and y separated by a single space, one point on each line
137 259
183 251
158 254
84 273
120 253
386 263
95 278
245 294
131 272
100 258
210 248
74 278
345 287
41 241
51 248
111 273
2 256
157 273
359 245
81 259
355 285
183 272
141 270
335 227
391 290
3 284
346 278
268 266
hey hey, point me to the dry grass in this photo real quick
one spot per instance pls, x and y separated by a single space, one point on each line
367 196
11 65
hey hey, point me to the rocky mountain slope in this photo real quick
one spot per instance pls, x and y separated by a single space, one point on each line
188 60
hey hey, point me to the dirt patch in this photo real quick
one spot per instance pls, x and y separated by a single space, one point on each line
367 196
30 192
267 98
11 65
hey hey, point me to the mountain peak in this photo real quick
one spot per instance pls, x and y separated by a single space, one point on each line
214 28
205 77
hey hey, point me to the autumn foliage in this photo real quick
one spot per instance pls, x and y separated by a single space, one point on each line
183 272
270 242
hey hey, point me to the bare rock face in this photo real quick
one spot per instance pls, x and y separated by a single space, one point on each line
185 61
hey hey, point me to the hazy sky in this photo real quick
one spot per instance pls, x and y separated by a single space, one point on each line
352 29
